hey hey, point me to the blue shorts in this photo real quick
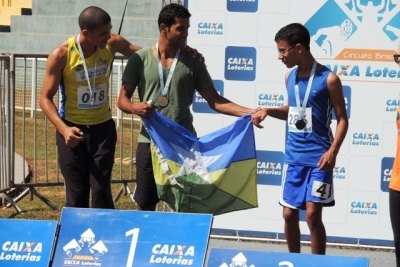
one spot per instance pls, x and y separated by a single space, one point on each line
301 184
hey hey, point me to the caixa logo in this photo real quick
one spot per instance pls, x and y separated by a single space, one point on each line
339 172
240 63
386 173
271 100
392 104
177 254
21 251
269 167
242 5
210 28
365 139
364 207
200 105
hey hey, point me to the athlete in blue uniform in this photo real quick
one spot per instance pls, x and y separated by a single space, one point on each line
314 92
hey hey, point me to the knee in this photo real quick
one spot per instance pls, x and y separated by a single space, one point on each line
313 220
290 216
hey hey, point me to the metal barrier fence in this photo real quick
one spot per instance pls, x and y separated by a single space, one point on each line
6 125
27 134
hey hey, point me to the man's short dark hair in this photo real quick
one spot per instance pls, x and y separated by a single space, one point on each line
93 17
294 33
171 11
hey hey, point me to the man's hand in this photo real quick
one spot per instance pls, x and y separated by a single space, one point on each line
327 161
258 116
143 109
72 136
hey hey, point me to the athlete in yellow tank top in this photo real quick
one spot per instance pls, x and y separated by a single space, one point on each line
87 103
86 135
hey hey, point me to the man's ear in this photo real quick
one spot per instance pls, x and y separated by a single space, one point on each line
85 32
299 48
163 27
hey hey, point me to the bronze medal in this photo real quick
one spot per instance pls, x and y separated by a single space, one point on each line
162 101
300 124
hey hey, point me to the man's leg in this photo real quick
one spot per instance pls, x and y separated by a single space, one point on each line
146 191
394 208
292 229
316 226
102 140
73 165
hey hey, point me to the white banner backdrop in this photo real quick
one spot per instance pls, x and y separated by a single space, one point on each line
354 38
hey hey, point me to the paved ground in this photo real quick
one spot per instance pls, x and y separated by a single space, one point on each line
377 257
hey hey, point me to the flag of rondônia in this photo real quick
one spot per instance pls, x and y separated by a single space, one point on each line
215 173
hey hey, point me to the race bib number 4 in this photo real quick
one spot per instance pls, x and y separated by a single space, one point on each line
320 189
94 99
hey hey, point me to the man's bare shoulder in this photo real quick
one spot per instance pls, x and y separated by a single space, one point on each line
58 57
59 53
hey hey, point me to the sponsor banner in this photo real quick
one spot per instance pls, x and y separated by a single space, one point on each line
200 105
269 167
231 257
242 5
240 63
386 173
99 237
26 243
356 40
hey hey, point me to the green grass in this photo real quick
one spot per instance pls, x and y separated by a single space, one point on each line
35 141
34 208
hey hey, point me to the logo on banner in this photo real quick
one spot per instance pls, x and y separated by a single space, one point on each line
172 254
240 63
239 260
86 251
364 208
269 167
365 139
339 172
346 36
347 71
242 5
271 100
200 105
386 173
210 28
21 251
392 104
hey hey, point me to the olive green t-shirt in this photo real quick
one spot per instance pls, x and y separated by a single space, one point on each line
189 75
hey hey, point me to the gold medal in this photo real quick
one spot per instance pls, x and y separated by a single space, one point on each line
162 101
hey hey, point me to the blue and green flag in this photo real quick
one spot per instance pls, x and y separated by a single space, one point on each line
215 173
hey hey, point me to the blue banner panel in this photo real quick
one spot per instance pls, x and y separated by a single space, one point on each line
26 243
100 237
230 257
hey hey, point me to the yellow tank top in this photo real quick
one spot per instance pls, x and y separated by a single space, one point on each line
395 179
80 103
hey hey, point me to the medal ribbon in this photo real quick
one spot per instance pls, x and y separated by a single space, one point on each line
164 88
301 110
85 68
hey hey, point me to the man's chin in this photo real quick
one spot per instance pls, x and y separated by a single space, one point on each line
102 46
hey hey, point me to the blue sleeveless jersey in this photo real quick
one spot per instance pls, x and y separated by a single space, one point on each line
306 148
